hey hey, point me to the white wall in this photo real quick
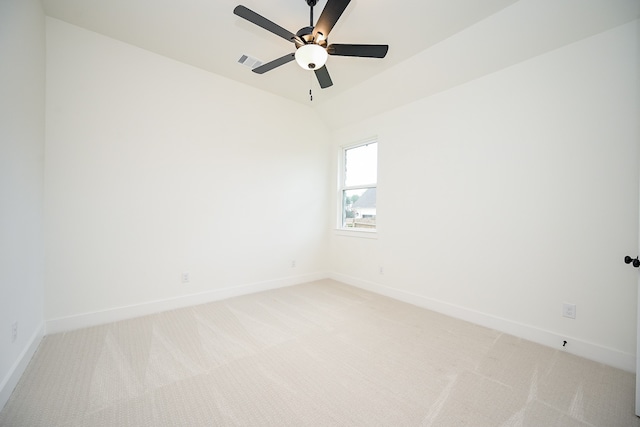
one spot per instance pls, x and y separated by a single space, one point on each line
22 79
505 197
155 168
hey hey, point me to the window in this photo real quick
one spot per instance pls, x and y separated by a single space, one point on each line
358 183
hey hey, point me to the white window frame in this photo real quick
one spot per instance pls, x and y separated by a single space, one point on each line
349 231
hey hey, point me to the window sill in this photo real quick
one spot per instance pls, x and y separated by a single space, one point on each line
363 234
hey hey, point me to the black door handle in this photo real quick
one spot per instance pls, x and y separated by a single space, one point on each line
629 260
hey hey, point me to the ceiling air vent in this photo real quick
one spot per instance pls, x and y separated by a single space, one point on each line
250 62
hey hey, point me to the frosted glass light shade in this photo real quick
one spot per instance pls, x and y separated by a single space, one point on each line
311 56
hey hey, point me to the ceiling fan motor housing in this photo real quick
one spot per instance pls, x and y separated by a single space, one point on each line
306 35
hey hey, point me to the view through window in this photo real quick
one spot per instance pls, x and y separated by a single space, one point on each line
358 190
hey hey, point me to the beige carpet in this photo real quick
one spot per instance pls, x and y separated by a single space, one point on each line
319 354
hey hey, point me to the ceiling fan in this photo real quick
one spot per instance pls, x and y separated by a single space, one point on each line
312 49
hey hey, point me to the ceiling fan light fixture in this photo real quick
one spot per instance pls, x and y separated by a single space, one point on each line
311 56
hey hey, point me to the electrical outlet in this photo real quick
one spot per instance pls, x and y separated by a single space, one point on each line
185 278
381 270
293 263
569 310
14 332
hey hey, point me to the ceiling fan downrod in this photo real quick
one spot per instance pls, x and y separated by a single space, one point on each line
311 3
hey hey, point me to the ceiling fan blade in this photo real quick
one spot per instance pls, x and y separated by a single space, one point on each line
360 50
323 77
263 22
329 16
275 63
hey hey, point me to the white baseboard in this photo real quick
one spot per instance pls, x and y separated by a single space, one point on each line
69 323
591 351
13 376
595 352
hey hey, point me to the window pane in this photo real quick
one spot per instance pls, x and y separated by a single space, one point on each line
359 208
361 165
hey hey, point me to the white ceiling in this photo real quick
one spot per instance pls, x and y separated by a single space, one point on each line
480 36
